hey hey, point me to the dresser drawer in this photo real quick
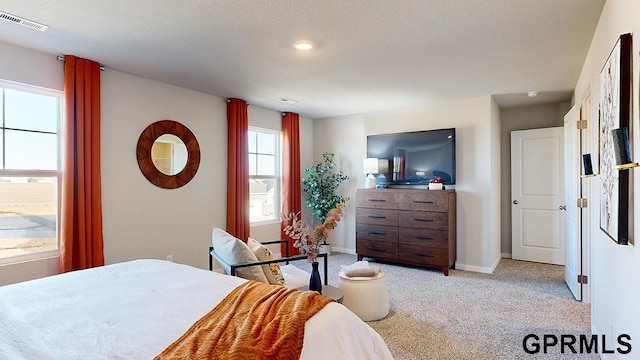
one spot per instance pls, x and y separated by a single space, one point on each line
377 217
424 237
426 200
376 198
377 233
377 249
424 220
418 255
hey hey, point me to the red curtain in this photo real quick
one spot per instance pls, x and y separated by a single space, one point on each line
291 182
238 169
81 243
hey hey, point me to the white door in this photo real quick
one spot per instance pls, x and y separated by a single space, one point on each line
180 156
537 195
572 192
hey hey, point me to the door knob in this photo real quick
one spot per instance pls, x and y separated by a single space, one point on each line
562 207
515 202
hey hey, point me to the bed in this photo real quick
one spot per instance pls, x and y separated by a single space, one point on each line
134 310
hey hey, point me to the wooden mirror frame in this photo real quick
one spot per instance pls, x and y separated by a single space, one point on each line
143 153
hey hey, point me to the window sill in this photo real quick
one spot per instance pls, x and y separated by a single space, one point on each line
264 222
17 259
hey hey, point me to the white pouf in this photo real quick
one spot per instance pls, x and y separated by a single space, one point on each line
367 297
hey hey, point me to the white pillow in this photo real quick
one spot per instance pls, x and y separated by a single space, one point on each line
294 277
232 251
271 271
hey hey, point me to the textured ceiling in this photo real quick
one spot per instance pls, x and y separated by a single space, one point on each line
370 55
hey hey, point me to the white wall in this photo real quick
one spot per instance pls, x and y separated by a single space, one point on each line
44 70
477 131
615 289
493 228
31 67
140 219
343 136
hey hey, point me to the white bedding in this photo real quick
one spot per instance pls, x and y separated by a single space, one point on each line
134 310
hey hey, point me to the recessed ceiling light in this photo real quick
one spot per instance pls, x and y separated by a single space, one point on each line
532 94
303 45
287 100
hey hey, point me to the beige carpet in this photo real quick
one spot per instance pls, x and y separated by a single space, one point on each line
469 315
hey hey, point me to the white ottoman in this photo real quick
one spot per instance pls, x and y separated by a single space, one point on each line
367 297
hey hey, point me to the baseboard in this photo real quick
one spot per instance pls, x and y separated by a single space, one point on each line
480 269
495 263
506 255
343 250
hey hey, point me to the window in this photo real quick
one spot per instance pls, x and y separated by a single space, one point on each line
264 175
30 122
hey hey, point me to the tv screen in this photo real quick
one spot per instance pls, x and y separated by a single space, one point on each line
414 158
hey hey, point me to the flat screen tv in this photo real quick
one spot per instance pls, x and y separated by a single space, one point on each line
414 158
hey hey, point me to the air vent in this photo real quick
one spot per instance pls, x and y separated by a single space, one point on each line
287 100
24 22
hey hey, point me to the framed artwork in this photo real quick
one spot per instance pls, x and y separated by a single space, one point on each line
615 112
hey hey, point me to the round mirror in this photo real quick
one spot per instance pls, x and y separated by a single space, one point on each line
168 154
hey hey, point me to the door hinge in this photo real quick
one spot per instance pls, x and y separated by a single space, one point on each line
581 124
583 279
582 202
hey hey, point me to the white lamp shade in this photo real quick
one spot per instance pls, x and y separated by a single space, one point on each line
370 165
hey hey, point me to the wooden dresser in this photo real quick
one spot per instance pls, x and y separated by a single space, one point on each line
407 226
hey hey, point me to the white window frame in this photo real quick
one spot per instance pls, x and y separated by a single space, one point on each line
277 177
35 172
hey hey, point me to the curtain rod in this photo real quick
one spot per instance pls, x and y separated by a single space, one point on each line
61 58
229 100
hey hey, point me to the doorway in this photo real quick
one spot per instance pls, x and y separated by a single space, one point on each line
537 195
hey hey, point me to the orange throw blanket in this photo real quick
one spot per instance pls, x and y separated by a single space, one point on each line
255 321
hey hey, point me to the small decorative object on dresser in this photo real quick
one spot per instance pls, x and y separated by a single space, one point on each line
435 183
407 226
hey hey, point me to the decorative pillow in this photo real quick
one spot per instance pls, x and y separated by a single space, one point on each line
271 271
232 251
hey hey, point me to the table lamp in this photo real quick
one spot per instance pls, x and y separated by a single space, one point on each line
370 166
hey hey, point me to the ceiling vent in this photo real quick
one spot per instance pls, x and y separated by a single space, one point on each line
24 22
287 100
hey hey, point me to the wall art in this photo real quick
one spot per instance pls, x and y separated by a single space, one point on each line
615 112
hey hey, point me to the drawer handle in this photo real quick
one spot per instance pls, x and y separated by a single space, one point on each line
376 216
376 200
423 255
422 202
423 220
376 249
377 233
424 238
